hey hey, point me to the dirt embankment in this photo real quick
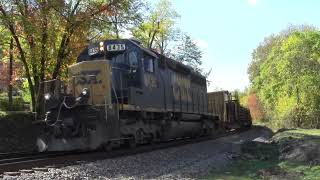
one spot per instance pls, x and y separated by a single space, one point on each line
289 154
17 132
299 146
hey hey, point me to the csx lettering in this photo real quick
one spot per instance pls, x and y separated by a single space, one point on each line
88 77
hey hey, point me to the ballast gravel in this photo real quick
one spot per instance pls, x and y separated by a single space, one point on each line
191 161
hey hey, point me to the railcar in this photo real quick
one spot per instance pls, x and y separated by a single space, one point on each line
120 93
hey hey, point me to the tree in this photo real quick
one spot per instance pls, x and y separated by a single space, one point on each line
288 82
157 29
188 53
10 75
50 34
255 107
122 19
10 70
158 32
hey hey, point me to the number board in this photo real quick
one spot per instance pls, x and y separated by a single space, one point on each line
116 47
93 51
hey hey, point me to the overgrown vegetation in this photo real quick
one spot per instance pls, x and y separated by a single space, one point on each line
268 161
17 104
285 79
17 131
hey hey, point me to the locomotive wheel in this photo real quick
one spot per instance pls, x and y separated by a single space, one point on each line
140 136
107 147
132 143
151 139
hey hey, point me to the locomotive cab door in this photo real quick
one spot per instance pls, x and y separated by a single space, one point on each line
153 87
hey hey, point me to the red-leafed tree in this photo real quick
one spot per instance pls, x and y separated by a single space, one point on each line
255 106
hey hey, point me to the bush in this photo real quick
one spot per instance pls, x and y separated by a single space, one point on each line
20 117
17 103
17 131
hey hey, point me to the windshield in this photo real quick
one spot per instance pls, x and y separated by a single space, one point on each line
119 59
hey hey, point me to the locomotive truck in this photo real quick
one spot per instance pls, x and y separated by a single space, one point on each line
120 93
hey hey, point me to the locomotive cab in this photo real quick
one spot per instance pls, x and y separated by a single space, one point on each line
129 63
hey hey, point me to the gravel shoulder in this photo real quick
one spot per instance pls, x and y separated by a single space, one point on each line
191 161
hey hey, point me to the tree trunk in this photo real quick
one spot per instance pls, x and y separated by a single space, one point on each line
60 57
116 26
153 36
10 107
44 39
10 26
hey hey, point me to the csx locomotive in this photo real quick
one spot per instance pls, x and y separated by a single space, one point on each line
120 93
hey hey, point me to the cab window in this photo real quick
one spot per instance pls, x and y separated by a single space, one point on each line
148 63
133 59
120 59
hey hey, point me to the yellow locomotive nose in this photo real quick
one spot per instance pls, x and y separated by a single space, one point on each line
95 76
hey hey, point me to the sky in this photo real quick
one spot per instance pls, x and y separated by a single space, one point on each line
227 31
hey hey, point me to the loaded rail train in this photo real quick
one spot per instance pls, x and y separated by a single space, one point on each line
120 93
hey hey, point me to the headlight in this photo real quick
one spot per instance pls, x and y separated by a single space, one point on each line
47 96
84 92
84 95
101 46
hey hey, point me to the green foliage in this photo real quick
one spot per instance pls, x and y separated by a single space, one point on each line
157 28
158 31
287 78
26 96
242 170
18 132
295 134
309 172
17 105
113 25
17 117
189 53
247 170
49 35
243 99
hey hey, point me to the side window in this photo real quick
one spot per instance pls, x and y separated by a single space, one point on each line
133 59
148 63
120 58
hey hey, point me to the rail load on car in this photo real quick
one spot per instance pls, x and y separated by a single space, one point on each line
118 93
229 111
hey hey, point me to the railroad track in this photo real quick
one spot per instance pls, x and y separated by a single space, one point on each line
12 155
32 161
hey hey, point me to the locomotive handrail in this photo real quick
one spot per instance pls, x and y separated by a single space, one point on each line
121 86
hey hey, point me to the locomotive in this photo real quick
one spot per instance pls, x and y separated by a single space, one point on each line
120 93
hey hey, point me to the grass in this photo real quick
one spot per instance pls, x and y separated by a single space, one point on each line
250 169
242 170
306 171
247 170
303 134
